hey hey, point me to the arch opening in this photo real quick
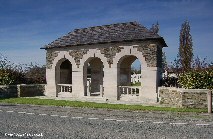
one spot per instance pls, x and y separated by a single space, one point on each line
129 67
93 77
63 76
129 76
66 72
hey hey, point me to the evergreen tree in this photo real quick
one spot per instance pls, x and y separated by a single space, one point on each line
164 62
185 48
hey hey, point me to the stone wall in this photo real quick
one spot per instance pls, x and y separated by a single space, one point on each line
170 96
8 91
186 98
152 51
23 90
194 98
31 90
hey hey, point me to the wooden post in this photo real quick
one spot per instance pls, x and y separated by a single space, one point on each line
209 98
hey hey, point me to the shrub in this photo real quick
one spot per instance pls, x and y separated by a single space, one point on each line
169 82
199 76
6 73
11 76
35 74
5 78
16 74
197 79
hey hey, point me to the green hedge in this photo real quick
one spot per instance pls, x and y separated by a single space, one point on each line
5 78
197 79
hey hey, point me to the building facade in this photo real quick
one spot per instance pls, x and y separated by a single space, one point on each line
95 62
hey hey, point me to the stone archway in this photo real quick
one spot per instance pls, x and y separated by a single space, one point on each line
125 87
66 72
63 77
93 77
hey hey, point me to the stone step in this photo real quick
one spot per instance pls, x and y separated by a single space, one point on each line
64 94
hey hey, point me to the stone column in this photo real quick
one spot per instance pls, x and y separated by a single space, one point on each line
149 83
50 89
86 89
209 101
110 83
77 82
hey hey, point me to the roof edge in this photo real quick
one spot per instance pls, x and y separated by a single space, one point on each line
160 39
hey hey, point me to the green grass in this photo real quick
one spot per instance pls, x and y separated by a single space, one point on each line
51 102
136 84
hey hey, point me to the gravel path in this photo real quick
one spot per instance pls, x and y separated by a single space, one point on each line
64 122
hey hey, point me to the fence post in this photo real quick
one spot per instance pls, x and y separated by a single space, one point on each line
209 99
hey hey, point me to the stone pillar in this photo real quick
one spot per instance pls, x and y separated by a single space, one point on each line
50 89
149 83
77 82
19 90
110 83
209 99
101 90
86 83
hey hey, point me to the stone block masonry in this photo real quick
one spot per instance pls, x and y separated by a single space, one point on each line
30 90
8 91
170 96
185 98
22 90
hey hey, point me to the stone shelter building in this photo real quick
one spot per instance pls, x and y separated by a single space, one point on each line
95 62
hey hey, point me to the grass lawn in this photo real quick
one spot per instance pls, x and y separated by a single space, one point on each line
136 84
51 102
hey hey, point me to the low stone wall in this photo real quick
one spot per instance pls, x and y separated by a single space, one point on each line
30 90
186 98
170 96
22 90
8 91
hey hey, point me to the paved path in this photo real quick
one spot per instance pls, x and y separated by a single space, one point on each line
64 122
